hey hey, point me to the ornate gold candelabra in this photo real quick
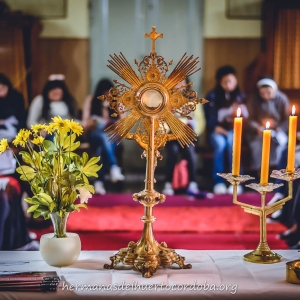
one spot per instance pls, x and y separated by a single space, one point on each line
263 254
150 101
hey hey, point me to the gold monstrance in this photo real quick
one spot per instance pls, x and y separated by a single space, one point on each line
150 101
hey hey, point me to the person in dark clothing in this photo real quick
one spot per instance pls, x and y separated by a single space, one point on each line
188 153
224 101
296 218
96 117
12 109
14 234
290 217
13 229
173 149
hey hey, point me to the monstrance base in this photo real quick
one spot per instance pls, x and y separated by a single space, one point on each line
147 260
263 255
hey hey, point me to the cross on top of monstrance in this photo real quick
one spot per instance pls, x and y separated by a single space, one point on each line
152 95
153 35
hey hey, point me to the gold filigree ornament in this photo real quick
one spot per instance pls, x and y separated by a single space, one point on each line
151 102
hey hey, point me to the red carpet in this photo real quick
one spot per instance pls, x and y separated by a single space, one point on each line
115 212
169 219
113 220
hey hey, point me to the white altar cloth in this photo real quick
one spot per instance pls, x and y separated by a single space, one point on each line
216 274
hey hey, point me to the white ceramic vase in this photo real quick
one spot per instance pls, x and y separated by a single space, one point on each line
61 248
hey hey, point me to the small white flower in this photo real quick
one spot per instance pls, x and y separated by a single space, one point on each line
84 195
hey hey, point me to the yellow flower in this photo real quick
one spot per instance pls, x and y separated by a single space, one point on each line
75 127
26 134
38 140
38 127
22 137
3 145
60 124
51 128
18 141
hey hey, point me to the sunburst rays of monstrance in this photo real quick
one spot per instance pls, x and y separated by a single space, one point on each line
150 100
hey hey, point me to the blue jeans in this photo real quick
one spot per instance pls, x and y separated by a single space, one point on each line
98 139
222 144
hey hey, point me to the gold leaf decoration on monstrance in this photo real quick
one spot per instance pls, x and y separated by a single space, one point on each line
152 94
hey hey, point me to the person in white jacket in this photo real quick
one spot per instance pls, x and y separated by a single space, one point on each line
55 100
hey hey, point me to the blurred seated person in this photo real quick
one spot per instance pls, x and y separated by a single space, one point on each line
14 234
12 109
173 149
292 234
268 104
13 229
55 100
224 101
96 116
286 214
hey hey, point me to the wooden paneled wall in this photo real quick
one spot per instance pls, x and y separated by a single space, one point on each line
228 51
69 57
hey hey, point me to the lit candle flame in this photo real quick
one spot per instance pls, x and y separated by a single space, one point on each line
293 110
238 113
268 125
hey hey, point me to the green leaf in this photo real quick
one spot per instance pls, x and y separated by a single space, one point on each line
73 196
77 206
29 200
36 201
72 178
34 188
36 214
85 158
74 146
49 146
37 159
32 208
70 208
90 188
47 215
69 140
42 208
79 183
92 162
85 179
71 146
28 171
26 157
73 155
40 200
90 168
52 206
45 197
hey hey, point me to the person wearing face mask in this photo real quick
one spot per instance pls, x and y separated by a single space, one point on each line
55 100
267 104
224 101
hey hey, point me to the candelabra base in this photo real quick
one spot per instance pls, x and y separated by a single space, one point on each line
262 255
146 257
